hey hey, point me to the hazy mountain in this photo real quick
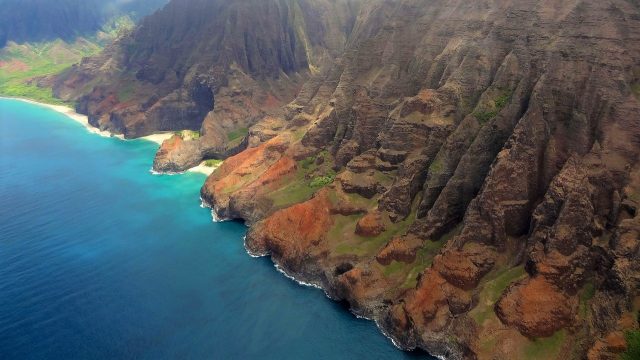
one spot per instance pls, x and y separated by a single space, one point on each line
40 20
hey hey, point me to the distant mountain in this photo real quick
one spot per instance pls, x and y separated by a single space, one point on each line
42 20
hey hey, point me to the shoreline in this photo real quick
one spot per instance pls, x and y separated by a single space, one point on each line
159 138
83 120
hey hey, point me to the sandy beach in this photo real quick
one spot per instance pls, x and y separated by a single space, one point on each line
84 120
202 168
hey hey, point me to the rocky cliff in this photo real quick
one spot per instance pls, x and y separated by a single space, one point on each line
215 67
466 174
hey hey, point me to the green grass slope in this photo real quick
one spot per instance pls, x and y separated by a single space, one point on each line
25 68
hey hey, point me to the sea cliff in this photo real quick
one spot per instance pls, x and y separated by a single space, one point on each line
465 174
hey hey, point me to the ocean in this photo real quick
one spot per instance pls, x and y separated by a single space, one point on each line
100 259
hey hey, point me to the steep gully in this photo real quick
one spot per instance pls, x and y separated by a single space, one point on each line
465 174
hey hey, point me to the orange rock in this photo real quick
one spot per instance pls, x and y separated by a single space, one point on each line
362 286
427 298
597 351
250 161
370 225
434 301
284 166
536 307
615 342
399 249
169 145
290 232
463 269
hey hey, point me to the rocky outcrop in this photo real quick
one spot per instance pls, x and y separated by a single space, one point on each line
464 173
176 155
147 82
536 307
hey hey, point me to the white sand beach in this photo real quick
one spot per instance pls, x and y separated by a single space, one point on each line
203 169
84 120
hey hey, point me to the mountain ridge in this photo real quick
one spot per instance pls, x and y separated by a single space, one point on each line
466 174
41 20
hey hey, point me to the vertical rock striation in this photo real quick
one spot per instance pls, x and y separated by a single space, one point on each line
465 173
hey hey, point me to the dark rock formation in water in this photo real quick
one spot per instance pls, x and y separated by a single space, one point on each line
465 173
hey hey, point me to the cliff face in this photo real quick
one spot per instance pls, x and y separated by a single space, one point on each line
211 66
465 173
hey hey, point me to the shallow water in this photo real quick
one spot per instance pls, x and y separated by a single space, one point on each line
99 259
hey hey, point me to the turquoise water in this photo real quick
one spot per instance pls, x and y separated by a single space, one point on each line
99 259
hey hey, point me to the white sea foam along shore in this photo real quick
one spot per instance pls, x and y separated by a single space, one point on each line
84 120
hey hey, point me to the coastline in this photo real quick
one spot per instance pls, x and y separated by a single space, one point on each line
84 120
158 138
203 169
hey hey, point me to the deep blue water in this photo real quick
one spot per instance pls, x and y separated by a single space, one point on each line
99 259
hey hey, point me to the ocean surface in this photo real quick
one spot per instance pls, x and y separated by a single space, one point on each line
100 259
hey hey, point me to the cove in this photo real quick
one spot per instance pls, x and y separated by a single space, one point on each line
100 259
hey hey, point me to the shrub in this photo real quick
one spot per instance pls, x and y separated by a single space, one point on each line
212 163
484 116
308 162
502 101
237 134
320 181
633 345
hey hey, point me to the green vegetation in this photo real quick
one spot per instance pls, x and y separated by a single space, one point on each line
384 177
114 28
484 116
393 268
424 258
487 344
502 100
633 345
545 348
22 66
436 165
307 163
237 134
212 163
635 89
300 188
492 109
496 283
296 191
322 181
588 292
343 225
344 229
188 134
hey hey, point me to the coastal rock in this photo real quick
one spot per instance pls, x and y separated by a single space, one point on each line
176 155
289 233
448 168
